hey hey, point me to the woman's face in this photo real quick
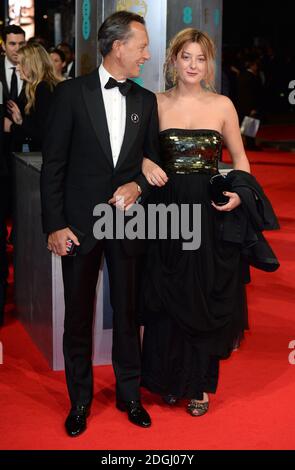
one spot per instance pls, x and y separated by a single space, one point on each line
23 70
191 64
57 63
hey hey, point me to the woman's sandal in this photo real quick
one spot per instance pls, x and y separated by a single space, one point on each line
197 408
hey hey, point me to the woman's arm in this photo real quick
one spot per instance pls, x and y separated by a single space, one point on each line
232 136
153 173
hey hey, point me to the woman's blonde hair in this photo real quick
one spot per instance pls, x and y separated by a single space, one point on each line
39 67
176 45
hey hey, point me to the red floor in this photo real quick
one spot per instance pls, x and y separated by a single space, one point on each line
254 404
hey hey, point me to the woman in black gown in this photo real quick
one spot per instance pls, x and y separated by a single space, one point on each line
193 301
36 69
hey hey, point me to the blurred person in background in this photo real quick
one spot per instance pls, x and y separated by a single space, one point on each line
13 40
69 71
39 40
3 214
59 62
12 88
13 84
250 95
36 69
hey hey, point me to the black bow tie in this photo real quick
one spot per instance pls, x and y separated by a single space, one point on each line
124 87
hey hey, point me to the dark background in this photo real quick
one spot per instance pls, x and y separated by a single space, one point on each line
252 26
243 21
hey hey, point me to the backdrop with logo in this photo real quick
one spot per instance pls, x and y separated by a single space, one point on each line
164 18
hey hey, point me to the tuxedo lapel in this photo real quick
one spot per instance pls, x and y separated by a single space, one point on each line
133 122
3 79
5 84
94 102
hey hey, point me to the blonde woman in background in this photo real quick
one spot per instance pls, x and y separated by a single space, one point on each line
193 301
36 69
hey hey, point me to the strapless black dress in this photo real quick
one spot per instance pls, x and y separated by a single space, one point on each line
193 302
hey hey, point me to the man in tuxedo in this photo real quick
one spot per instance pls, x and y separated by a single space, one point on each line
11 89
3 214
100 127
13 86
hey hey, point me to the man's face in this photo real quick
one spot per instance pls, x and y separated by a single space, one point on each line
12 45
133 52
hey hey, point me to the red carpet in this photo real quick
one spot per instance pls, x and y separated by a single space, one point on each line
253 407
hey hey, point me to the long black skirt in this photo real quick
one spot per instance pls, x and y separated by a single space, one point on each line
193 301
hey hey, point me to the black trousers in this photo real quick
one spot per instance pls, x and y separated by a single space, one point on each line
80 274
3 236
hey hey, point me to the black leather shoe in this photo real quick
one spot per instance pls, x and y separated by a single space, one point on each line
136 412
76 421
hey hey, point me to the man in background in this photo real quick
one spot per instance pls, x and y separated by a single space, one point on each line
11 88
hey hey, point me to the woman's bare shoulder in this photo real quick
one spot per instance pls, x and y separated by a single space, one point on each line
163 96
222 101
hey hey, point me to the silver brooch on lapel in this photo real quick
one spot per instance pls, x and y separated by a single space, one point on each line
134 118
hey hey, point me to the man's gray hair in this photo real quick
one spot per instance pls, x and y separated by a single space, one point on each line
116 27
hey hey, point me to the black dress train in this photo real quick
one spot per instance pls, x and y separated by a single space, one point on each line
194 303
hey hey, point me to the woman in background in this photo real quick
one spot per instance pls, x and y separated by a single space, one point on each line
36 68
59 62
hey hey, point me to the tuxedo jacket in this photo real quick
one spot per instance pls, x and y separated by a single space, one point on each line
3 80
21 100
78 171
6 146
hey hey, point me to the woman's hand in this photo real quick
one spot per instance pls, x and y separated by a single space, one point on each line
153 173
7 124
234 201
15 112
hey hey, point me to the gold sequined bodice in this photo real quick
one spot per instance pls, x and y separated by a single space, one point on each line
187 151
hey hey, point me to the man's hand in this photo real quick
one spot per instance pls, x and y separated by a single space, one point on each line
57 241
234 201
125 196
153 173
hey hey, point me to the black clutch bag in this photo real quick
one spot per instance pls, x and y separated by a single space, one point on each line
218 184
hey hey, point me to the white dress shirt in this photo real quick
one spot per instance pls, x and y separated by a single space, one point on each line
8 74
115 108
68 70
